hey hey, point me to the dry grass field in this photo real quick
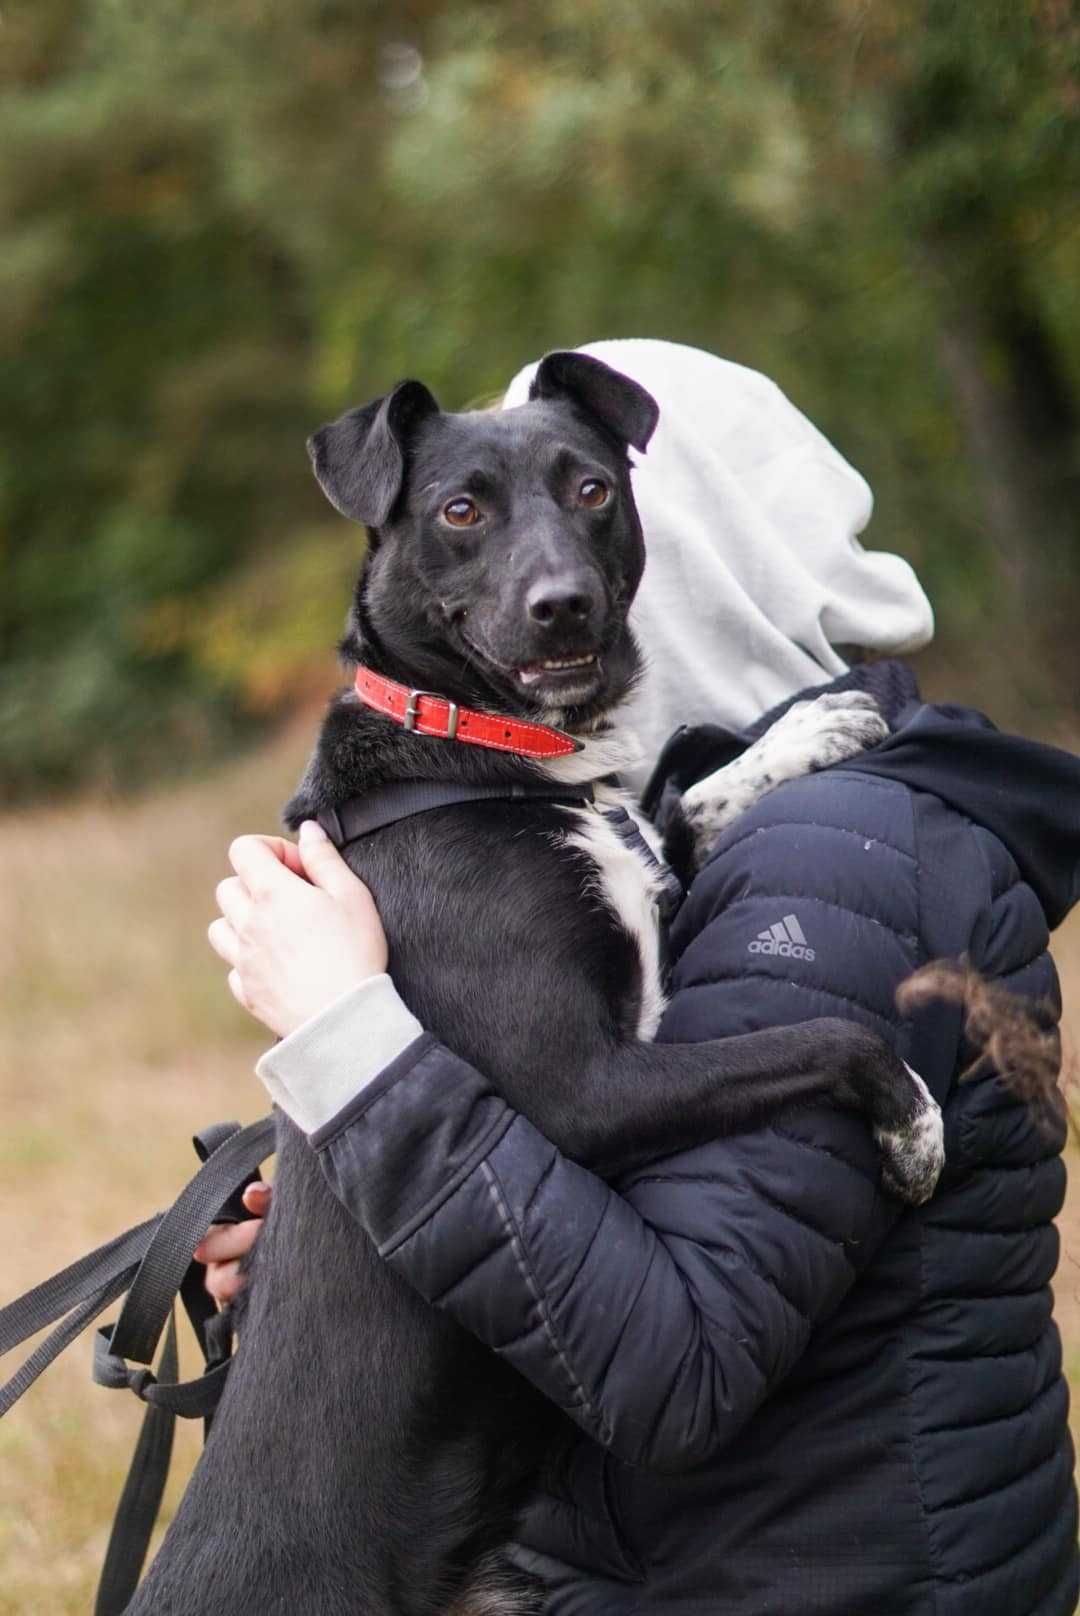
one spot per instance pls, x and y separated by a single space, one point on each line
117 1038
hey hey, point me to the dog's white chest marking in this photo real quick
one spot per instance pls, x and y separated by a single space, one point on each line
629 888
623 880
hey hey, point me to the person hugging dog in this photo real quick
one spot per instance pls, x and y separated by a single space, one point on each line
845 1407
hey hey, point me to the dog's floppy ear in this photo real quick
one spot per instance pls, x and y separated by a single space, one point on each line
620 405
359 459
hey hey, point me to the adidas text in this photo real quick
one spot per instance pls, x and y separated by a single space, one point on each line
786 939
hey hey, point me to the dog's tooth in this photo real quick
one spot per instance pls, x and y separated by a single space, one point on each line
553 665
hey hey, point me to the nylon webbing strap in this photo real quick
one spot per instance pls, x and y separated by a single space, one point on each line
168 1257
140 1500
81 1292
78 1319
400 799
151 1262
669 888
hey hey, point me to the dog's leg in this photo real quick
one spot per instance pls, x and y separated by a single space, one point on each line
810 736
497 1588
642 1101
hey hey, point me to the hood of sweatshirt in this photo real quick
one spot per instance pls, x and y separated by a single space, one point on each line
1026 793
755 577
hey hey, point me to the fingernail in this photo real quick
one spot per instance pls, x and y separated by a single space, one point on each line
312 831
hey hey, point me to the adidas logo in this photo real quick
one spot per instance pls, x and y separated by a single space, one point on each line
785 938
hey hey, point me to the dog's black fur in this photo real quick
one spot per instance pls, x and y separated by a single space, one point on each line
369 1456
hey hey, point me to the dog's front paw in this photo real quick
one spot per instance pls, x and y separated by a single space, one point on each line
814 734
914 1153
810 736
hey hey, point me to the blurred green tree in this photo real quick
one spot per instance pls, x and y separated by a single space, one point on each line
227 219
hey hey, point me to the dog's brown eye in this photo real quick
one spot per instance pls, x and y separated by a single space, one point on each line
461 513
593 493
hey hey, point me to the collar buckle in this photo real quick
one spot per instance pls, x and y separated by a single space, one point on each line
412 711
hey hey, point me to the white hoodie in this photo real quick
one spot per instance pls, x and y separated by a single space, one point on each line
754 573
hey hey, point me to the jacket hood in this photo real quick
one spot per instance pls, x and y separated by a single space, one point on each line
1026 793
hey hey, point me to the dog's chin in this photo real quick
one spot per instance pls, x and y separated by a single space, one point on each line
579 707
575 688
553 694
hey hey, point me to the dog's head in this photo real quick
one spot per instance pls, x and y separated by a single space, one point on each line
505 547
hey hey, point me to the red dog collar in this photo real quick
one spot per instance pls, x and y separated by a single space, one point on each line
428 713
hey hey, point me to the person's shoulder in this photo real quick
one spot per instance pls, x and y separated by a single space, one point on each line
865 858
825 833
839 801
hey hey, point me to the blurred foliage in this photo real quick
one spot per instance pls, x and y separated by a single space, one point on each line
227 219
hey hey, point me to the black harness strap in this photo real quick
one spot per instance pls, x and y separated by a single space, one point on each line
669 889
384 805
400 799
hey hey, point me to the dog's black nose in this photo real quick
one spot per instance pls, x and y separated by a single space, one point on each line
560 602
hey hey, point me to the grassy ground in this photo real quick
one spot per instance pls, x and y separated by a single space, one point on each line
117 1038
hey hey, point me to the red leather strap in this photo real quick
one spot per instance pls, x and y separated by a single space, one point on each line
428 713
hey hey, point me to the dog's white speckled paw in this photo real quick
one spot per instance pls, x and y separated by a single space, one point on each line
830 729
810 736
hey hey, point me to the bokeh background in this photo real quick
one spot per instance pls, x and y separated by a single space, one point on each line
225 220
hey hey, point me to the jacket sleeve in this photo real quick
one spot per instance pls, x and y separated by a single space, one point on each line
659 1314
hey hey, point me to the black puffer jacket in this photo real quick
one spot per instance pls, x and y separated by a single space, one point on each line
797 1399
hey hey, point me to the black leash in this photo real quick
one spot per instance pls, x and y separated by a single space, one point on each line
151 1262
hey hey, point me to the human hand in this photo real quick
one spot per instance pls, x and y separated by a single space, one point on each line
224 1244
298 929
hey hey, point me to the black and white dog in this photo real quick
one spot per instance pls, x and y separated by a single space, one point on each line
359 1464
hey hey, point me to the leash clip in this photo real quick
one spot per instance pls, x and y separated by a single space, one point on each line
412 711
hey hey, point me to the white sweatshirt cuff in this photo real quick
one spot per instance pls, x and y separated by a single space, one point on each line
314 1072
